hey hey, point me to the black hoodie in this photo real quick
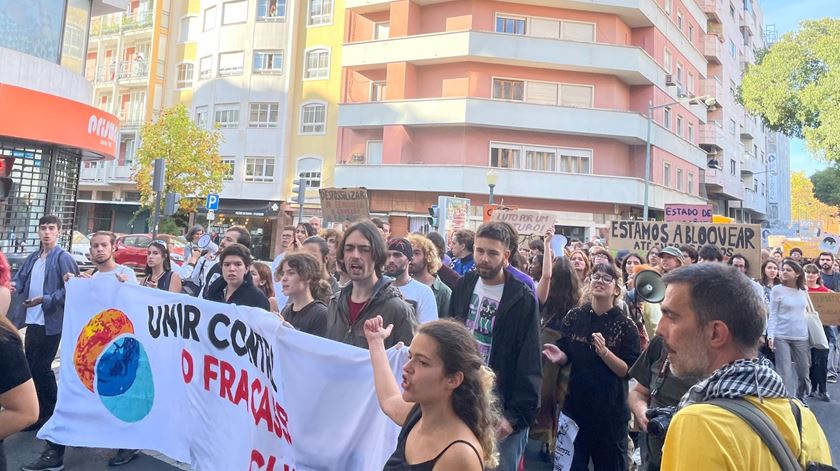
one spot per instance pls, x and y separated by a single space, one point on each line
245 295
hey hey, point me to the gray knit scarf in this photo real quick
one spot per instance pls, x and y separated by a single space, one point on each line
745 377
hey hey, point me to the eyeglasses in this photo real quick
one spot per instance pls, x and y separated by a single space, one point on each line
601 277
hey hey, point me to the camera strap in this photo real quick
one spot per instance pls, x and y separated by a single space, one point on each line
764 427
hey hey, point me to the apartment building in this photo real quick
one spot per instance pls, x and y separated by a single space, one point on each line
737 175
126 62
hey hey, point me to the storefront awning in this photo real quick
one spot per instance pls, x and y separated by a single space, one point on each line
35 116
247 208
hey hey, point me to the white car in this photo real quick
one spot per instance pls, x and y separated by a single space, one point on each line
81 249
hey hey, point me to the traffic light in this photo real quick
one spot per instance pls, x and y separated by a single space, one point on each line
299 191
170 204
434 213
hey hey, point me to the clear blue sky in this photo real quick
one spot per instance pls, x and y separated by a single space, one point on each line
786 15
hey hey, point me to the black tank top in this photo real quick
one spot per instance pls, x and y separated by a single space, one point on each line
397 460
163 282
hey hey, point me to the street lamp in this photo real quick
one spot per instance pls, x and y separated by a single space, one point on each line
706 100
491 178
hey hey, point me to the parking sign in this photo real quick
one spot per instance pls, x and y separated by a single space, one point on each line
212 202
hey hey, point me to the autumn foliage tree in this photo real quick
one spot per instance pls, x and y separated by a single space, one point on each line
804 206
193 166
795 87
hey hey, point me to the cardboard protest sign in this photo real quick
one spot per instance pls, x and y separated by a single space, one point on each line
830 243
526 222
688 213
219 386
828 305
640 236
810 247
453 215
344 204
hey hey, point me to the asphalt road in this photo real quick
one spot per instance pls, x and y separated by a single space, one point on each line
24 447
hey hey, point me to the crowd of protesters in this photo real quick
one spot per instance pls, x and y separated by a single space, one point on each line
504 336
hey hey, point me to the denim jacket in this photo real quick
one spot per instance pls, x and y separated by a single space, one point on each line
58 263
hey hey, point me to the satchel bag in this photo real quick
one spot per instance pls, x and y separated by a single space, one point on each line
816 333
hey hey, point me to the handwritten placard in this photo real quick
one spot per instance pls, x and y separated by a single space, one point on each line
526 222
688 213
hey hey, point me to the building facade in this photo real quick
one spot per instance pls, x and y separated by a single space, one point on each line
48 130
126 63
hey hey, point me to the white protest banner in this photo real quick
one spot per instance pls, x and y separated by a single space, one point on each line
640 236
526 222
344 204
218 386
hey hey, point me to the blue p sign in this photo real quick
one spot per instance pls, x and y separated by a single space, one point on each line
212 202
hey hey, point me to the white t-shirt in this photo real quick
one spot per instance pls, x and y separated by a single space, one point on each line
422 298
35 314
481 317
119 270
276 262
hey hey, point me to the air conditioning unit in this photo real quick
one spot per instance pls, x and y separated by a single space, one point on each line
669 80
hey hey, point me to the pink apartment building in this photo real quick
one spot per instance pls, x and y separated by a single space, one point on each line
552 94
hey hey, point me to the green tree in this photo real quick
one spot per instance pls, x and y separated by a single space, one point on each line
827 185
795 86
193 166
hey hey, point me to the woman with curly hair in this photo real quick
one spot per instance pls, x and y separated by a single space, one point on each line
446 408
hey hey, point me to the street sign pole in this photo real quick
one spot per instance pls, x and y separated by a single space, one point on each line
158 183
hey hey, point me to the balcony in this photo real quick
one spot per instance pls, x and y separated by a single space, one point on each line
748 23
106 173
115 23
755 201
712 135
714 87
721 182
105 74
624 126
133 70
713 10
522 183
748 129
713 48
631 64
130 119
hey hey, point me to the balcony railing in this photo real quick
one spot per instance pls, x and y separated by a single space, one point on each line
748 129
713 48
133 70
714 87
115 23
712 135
130 119
713 9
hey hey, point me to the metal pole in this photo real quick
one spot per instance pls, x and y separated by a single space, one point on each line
491 193
158 185
647 159
300 213
156 215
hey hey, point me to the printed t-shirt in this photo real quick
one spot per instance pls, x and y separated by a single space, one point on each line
481 317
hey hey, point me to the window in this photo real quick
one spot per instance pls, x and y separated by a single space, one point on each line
577 31
732 167
666 174
679 74
209 18
579 96
543 159
264 115
382 30
374 152
690 83
271 9
732 10
268 62
227 115
691 33
317 64
733 51
680 21
235 12
510 24
205 68
231 63
313 118
185 75
378 89
575 161
667 119
679 125
544 93
690 183
127 150
309 169
679 178
508 89
230 168
732 126
667 61
320 12
690 132
189 29
201 116
504 156
668 6
259 169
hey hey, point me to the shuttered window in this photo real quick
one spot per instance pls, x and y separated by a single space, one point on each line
576 95
543 93
574 31
544 28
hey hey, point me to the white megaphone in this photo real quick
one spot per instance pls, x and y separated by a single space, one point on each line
649 286
204 241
